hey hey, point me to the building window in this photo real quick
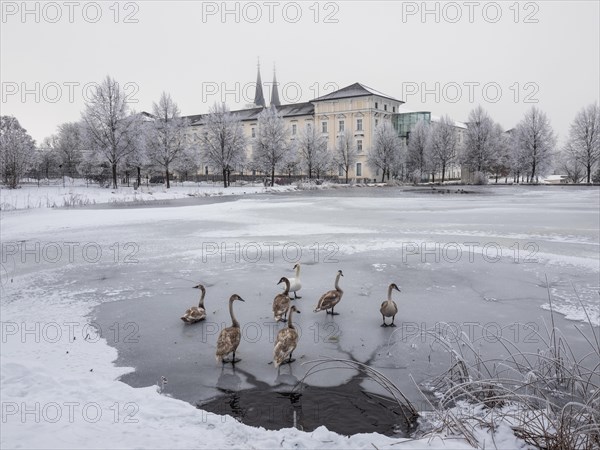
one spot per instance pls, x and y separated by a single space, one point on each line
376 105
308 126
340 170
206 170
359 169
359 145
359 125
341 126
294 128
324 127
393 109
376 122
253 132
385 107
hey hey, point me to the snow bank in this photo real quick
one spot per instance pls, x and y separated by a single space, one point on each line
29 197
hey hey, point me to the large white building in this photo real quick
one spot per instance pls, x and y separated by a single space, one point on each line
356 108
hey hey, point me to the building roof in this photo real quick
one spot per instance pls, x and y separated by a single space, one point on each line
354 90
292 110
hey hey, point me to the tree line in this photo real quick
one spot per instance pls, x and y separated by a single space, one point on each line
111 140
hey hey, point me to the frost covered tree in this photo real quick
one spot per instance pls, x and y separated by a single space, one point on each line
271 143
568 164
112 132
166 139
583 146
17 151
480 145
188 163
443 145
535 140
222 140
69 146
345 152
416 155
500 165
385 152
312 150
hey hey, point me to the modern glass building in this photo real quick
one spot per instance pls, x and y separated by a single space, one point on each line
404 122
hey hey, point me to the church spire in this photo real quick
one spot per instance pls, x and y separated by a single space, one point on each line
275 91
259 99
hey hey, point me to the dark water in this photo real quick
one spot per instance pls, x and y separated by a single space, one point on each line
345 409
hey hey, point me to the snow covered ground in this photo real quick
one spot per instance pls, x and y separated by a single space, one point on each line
75 193
478 261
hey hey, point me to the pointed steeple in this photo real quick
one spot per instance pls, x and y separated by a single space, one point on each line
275 91
259 99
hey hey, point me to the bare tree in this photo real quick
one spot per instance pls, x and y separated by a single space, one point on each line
17 150
443 145
345 151
111 131
479 148
166 140
536 140
312 150
500 165
69 146
271 142
188 163
569 164
222 140
584 139
416 152
385 152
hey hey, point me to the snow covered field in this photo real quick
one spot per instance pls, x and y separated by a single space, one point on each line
476 261
75 193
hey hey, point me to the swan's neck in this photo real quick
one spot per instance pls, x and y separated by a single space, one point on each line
201 304
337 282
297 272
289 321
389 295
234 322
287 286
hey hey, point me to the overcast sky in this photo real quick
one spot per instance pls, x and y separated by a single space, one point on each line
502 55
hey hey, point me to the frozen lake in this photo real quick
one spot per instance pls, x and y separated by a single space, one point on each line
475 263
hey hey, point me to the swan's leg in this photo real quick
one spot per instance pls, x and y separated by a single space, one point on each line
334 313
392 324
296 295
232 360
383 324
289 360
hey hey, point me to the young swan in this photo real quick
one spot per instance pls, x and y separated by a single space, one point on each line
229 338
286 342
295 284
389 307
281 302
196 313
331 298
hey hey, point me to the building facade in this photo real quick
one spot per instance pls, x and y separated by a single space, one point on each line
355 109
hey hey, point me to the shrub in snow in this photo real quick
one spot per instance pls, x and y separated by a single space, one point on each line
480 178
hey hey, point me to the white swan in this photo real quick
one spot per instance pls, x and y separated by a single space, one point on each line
286 342
331 298
389 307
196 313
295 284
229 338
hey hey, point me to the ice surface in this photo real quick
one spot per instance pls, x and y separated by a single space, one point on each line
376 236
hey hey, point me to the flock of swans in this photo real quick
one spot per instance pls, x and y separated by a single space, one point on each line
287 338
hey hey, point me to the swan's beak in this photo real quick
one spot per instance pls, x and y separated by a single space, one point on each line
241 299
298 311
196 287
